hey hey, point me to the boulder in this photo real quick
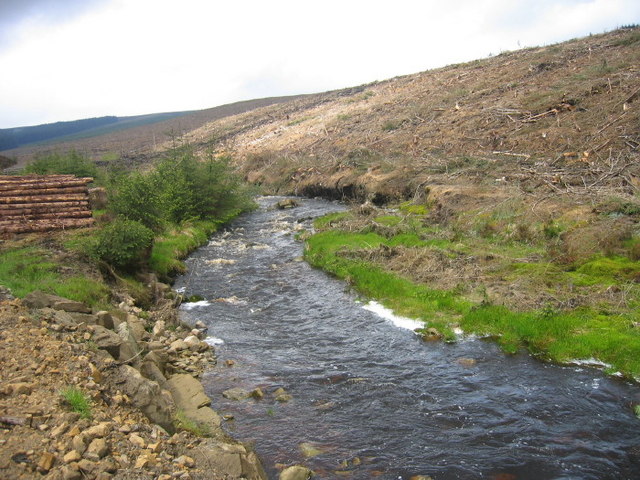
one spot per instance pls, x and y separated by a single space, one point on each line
150 370
287 203
430 334
195 344
236 393
158 357
190 399
97 449
310 450
107 340
147 395
296 472
281 395
178 346
70 306
137 327
129 348
38 299
46 461
58 317
83 318
105 319
188 392
159 328
230 461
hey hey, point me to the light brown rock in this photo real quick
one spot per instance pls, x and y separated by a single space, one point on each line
137 440
47 459
71 456
97 449
296 472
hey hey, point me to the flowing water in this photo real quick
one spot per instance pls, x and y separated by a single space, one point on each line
372 400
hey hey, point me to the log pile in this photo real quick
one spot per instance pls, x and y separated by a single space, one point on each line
39 203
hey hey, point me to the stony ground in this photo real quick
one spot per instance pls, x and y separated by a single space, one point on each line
43 353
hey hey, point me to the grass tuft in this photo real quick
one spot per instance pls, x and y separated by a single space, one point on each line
182 422
78 401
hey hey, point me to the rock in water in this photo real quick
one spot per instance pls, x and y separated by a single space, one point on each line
296 472
236 394
287 203
309 450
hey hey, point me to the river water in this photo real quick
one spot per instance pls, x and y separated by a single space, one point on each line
372 400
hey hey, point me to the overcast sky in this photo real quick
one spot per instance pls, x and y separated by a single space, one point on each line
71 59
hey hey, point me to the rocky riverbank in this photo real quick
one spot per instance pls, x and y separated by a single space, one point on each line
148 415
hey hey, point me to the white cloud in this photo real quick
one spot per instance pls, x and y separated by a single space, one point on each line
141 56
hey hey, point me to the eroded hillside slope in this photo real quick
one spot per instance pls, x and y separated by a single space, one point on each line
558 117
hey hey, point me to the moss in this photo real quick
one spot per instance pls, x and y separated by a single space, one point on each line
182 422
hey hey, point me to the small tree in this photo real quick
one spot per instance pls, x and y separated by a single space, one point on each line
124 244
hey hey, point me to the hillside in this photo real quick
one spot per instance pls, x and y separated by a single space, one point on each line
558 117
131 138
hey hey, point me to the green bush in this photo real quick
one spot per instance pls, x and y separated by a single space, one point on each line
124 244
181 188
136 197
72 163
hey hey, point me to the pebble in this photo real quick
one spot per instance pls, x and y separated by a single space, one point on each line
46 462
185 461
72 456
137 440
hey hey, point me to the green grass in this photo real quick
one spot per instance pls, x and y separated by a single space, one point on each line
169 249
182 422
330 219
24 270
605 332
77 401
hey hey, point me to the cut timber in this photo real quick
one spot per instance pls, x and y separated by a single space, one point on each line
53 190
46 225
40 203
44 198
33 186
47 206
13 217
12 210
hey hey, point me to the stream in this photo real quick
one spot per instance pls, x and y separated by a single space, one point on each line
369 398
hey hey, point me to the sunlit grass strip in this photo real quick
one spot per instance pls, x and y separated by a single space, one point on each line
174 245
24 270
558 336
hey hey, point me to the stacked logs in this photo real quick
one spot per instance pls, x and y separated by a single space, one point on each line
39 203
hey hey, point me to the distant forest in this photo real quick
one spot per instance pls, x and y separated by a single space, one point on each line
20 136
17 137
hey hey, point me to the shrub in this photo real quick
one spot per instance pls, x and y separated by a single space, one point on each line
136 197
181 188
72 163
124 244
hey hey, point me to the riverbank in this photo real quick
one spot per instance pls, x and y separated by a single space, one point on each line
108 395
496 274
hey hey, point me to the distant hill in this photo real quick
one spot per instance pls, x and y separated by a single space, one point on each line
127 137
85 128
